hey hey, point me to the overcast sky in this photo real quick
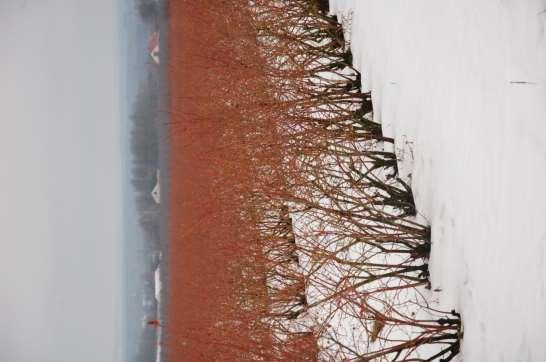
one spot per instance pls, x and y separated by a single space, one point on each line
60 181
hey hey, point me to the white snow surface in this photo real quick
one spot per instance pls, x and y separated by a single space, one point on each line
157 284
158 287
461 85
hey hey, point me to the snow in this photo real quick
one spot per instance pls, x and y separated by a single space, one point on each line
461 87
156 191
157 284
158 349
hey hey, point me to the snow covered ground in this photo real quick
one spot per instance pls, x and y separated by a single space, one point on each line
158 289
462 86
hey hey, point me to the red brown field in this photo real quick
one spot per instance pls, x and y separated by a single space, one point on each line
201 282
291 236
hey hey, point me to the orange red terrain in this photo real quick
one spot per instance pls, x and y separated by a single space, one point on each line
224 165
199 275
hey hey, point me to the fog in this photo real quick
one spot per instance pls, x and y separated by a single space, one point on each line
61 215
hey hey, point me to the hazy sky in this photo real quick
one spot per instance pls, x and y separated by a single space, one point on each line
60 181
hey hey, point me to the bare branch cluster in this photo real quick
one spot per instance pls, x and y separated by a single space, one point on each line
331 258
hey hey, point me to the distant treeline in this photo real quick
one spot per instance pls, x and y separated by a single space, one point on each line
145 160
148 10
144 146
144 143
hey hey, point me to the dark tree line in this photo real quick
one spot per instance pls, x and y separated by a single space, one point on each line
144 143
144 147
148 10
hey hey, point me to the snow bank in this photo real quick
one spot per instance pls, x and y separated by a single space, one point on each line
461 86
157 284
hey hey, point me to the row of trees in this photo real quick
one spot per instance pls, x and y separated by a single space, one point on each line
144 147
326 256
